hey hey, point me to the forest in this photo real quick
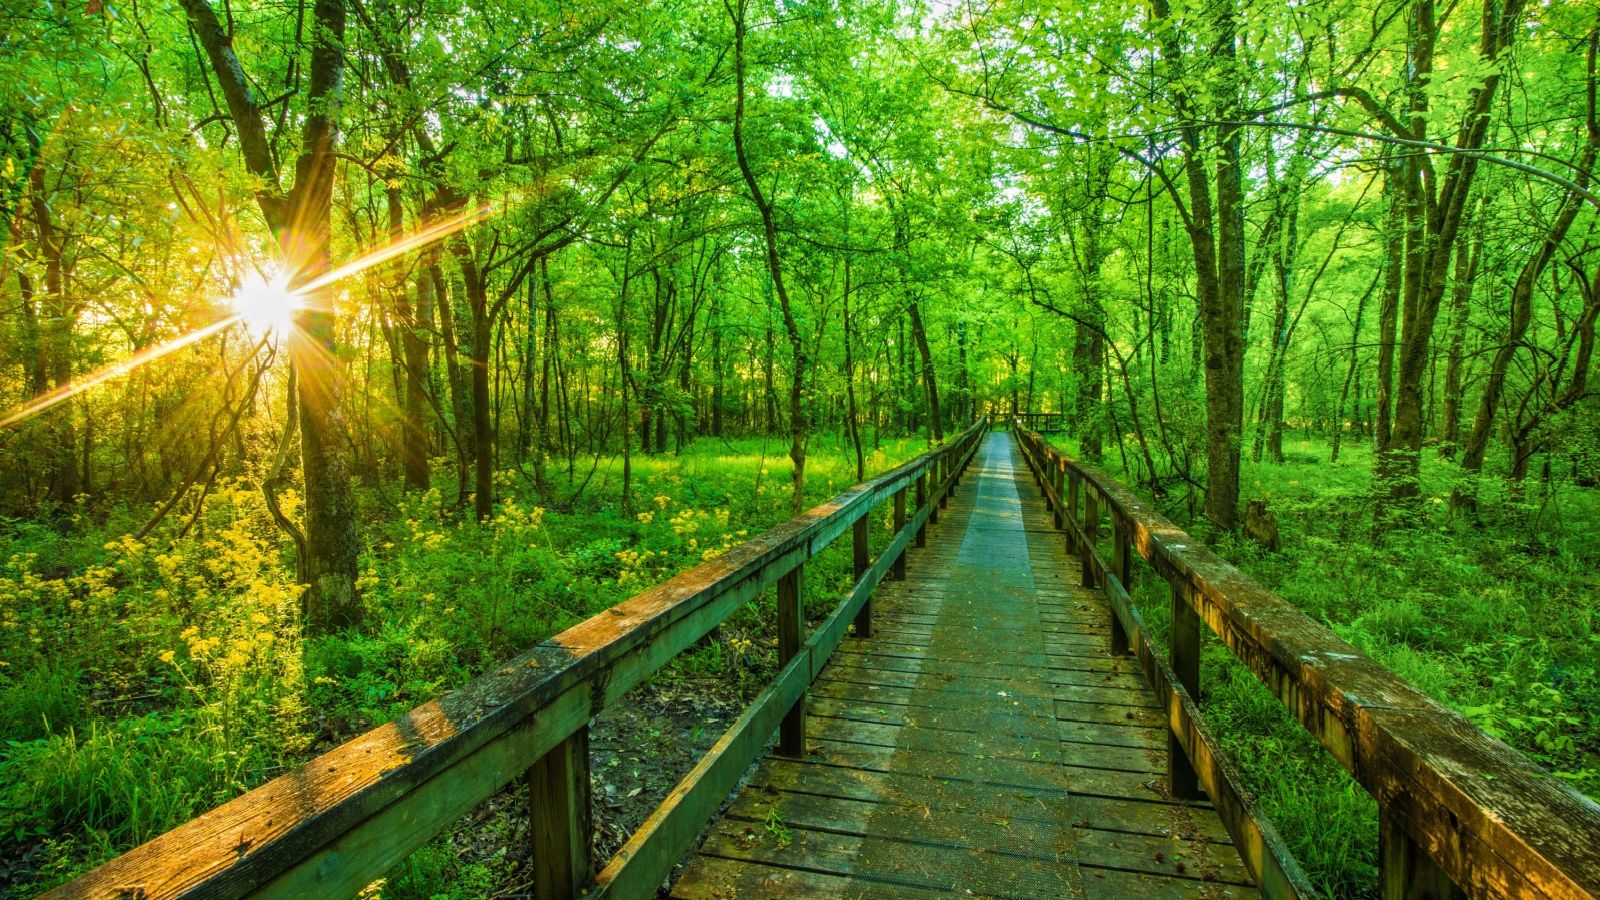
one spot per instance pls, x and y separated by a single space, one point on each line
350 347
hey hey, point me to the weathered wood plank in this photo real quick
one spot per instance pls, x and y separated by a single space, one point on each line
922 740
1193 753
560 820
1494 821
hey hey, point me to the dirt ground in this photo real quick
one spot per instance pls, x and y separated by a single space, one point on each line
639 748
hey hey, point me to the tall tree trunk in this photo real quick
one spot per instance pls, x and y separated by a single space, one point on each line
529 418
37 367
1088 412
414 353
1429 250
478 358
1521 317
717 375
769 230
1284 266
302 222
1219 278
459 402
552 347
54 354
623 377
1349 377
771 394
1394 236
930 378
1460 310
1089 336
850 380
963 383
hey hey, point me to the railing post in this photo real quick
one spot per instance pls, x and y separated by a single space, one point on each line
922 500
560 820
1122 564
899 525
1057 477
1091 532
1184 643
1072 506
861 549
944 475
792 637
1405 871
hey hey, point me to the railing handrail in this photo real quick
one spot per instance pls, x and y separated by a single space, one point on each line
1455 801
341 820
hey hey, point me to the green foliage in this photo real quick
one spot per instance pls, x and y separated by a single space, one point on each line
1012 171
436 872
211 688
42 701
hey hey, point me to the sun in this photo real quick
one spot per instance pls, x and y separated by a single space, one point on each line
266 305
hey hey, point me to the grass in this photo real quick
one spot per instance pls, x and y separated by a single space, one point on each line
142 683
1493 614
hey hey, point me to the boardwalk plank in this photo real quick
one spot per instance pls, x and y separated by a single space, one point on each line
984 741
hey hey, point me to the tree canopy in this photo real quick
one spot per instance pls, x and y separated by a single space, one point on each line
342 252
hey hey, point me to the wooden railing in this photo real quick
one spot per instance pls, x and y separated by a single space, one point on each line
1050 421
1460 813
336 824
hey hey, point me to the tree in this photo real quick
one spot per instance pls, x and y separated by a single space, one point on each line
301 221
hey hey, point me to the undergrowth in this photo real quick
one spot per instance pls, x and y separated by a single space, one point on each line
143 682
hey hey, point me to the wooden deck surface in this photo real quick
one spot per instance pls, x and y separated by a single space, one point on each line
983 742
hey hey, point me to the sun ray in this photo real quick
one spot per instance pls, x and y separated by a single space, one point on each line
415 241
263 303
115 370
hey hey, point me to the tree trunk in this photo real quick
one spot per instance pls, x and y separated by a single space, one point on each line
716 365
54 356
1400 467
769 230
963 385
482 339
772 391
1460 310
1389 306
1522 307
459 403
850 380
1349 377
302 223
1087 355
930 378
1284 266
552 346
1219 281
414 353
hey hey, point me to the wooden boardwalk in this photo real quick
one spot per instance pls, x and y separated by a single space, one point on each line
983 742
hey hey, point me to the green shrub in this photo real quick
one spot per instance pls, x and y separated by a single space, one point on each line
43 700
